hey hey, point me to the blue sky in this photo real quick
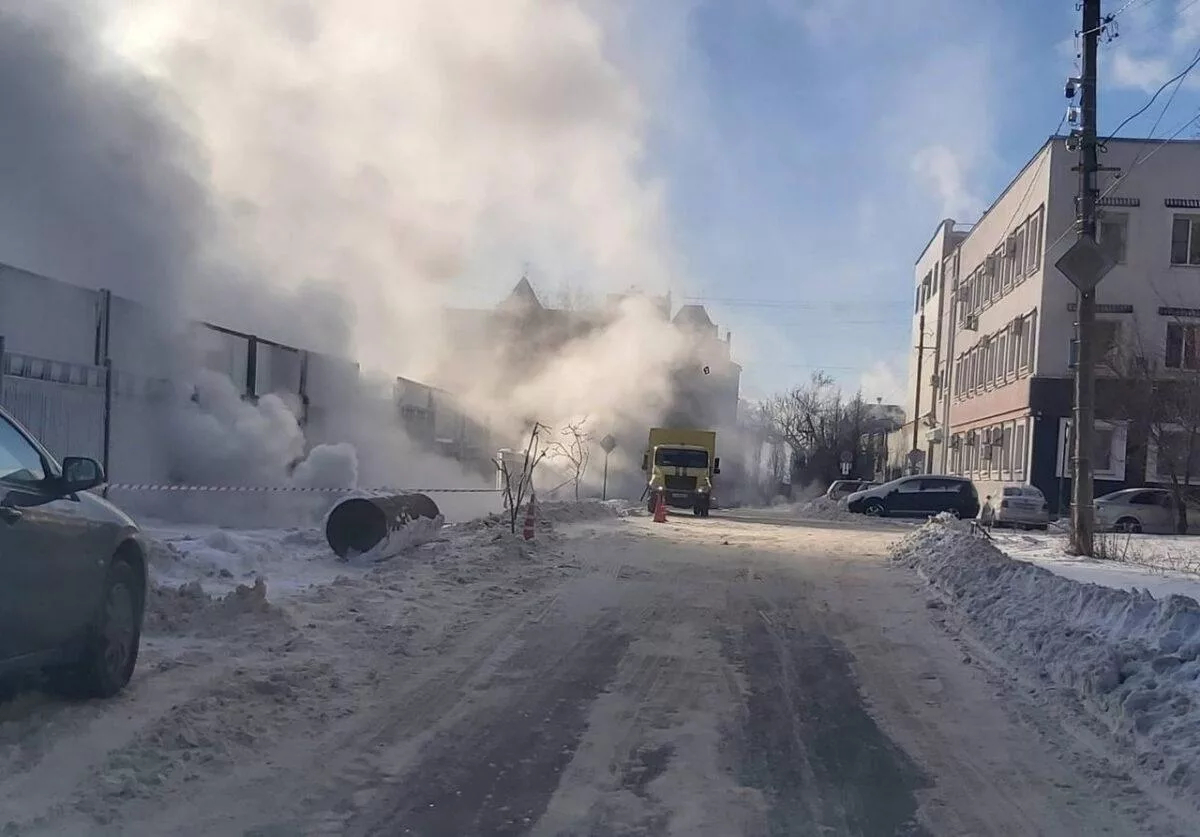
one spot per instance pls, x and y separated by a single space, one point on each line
808 149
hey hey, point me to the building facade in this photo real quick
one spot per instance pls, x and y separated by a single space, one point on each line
995 392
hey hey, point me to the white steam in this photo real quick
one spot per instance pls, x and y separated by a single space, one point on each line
332 175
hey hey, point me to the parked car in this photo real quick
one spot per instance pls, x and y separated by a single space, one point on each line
1021 507
1139 510
72 571
839 489
919 495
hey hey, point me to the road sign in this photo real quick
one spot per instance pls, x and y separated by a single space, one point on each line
847 456
1084 264
608 444
845 469
915 457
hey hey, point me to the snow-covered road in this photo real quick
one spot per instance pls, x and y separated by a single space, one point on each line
704 677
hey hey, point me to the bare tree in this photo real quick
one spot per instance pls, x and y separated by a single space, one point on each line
819 425
519 486
1162 405
575 449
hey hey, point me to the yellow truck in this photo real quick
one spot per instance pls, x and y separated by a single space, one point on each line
681 465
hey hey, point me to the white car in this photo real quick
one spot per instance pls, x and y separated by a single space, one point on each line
1021 507
1140 510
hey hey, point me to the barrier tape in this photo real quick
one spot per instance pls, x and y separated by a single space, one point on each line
268 489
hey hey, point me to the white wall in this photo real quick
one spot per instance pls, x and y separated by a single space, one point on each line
47 318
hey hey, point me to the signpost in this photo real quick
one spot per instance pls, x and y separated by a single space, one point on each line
608 444
916 458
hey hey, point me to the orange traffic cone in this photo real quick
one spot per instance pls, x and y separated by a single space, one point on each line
660 509
527 532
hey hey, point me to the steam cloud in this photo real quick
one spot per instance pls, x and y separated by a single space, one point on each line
332 174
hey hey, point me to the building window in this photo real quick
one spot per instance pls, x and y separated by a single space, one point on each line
1112 232
1019 258
1028 341
1107 338
1185 240
1019 451
917 305
1033 249
1108 450
1169 455
1182 344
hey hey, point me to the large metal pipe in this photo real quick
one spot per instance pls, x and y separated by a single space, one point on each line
359 524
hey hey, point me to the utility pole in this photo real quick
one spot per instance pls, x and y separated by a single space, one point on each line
1085 369
917 397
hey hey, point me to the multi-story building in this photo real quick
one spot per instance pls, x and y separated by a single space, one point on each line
994 396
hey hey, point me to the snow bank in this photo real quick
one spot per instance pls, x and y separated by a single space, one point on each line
188 609
822 508
556 511
1132 658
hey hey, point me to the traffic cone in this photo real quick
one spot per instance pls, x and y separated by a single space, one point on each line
660 509
527 532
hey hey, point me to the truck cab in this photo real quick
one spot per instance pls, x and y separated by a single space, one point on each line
681 465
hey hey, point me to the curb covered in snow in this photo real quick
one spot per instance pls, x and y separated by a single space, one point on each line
1133 659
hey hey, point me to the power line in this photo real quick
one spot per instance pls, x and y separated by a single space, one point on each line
1178 77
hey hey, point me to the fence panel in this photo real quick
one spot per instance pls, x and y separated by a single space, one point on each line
67 418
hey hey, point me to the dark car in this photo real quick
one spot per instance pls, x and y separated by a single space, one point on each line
72 571
922 495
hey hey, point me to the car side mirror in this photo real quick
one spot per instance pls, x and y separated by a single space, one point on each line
717 465
80 473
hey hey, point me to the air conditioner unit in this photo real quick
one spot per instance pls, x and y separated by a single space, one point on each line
971 322
934 437
1010 247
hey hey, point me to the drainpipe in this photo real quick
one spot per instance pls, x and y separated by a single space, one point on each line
948 384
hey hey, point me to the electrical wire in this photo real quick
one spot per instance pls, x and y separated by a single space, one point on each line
1103 144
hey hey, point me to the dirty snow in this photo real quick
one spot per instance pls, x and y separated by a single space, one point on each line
1131 657
251 634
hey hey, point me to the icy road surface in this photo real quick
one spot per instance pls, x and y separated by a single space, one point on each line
730 676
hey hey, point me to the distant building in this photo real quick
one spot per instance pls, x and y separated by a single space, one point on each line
527 333
994 397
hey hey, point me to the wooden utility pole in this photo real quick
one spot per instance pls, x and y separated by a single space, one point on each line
1085 368
917 396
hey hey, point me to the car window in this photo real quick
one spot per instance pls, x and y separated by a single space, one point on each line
1013 491
1147 498
909 486
940 484
19 460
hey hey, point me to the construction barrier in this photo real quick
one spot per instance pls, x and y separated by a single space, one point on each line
267 489
359 524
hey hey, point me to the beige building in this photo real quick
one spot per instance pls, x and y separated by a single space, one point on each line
995 392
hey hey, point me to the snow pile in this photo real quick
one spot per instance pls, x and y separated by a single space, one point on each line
188 609
1132 658
822 508
555 511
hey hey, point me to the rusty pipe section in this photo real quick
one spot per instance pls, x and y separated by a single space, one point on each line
360 524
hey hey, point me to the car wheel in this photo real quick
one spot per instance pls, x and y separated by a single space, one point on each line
1128 524
874 508
111 646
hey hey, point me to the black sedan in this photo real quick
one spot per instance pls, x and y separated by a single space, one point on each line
73 576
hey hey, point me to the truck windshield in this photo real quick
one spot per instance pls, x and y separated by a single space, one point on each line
676 458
